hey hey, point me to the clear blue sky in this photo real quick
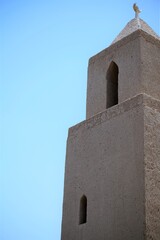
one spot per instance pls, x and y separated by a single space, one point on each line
44 51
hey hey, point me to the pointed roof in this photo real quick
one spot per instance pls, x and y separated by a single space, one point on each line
134 25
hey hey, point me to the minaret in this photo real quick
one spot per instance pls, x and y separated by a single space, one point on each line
112 174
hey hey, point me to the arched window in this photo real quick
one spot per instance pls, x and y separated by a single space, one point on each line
83 210
112 85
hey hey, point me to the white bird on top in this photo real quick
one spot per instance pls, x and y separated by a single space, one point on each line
136 9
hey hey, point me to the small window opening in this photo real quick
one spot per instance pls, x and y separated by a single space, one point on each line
112 85
83 210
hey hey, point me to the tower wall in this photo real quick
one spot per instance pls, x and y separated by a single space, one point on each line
137 57
105 163
125 53
112 175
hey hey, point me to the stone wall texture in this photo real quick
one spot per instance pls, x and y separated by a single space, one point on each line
113 159
152 170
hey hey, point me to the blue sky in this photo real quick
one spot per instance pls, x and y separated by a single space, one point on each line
44 52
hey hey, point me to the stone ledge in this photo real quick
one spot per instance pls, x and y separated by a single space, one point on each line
138 100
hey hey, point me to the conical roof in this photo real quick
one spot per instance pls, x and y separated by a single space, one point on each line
133 26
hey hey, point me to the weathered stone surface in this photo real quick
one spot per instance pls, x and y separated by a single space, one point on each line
114 159
152 172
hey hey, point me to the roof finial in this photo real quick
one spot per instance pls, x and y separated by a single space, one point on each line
136 9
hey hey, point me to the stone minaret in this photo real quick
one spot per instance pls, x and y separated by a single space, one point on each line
112 175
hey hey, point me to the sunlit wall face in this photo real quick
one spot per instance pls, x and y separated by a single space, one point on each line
44 52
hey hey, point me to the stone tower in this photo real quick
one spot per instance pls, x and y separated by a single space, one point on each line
112 175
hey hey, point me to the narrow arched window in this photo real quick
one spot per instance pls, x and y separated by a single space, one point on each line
112 85
83 210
